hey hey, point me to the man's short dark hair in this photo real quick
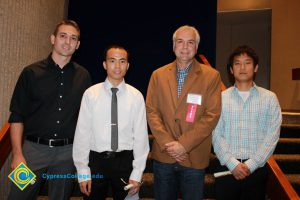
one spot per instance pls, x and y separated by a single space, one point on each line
69 23
243 49
115 46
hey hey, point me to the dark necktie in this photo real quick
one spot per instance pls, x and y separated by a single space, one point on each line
114 119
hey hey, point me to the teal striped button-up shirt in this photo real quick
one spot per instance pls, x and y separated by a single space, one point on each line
247 130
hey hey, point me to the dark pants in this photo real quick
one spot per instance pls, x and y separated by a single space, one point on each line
251 188
112 169
169 179
43 160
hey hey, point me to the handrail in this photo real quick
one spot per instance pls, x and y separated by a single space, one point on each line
278 186
205 61
5 145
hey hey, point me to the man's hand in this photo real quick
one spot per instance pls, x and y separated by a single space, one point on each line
135 188
16 160
181 158
241 171
85 187
176 150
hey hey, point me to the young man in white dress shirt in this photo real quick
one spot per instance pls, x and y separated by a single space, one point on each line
247 131
98 166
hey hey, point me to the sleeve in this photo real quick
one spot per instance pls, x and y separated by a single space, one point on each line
208 121
20 98
268 145
221 146
81 145
154 115
141 141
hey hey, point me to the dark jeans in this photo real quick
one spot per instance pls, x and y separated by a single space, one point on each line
251 188
42 160
169 179
112 169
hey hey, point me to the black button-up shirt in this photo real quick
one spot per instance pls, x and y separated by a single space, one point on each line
47 98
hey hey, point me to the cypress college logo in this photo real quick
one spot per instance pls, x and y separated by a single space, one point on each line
22 176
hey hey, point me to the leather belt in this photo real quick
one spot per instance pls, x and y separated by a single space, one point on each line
242 160
49 142
113 154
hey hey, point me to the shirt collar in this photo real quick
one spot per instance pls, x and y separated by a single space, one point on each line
52 64
253 90
185 70
108 85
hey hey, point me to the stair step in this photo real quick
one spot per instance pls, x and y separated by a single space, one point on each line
294 179
289 163
291 117
290 131
288 146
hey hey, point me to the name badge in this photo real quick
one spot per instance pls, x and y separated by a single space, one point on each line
194 99
190 115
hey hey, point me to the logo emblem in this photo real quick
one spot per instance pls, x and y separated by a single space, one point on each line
22 176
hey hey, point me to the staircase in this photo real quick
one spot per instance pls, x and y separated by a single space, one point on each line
287 152
287 155
146 192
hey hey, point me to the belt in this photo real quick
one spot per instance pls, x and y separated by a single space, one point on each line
113 154
242 160
49 142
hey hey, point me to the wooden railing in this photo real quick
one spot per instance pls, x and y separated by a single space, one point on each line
278 186
205 61
5 145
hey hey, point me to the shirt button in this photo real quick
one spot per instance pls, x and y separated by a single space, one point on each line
57 122
61 84
62 72
60 96
59 109
55 134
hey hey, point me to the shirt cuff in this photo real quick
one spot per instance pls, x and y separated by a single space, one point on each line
84 175
251 165
136 175
232 164
15 118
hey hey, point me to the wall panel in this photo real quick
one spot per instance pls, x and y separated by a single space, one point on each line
25 29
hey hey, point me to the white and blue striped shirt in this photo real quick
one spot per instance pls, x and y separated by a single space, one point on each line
247 130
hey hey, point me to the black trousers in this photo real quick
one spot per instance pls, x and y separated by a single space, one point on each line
112 170
251 188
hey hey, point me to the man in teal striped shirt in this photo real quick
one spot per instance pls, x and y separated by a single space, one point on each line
247 132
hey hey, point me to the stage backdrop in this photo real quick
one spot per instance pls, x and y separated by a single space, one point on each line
145 27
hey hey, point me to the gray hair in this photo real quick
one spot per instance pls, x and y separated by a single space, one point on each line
187 27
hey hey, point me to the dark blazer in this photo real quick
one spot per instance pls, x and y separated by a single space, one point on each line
166 114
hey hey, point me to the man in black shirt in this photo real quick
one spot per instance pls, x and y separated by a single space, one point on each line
44 109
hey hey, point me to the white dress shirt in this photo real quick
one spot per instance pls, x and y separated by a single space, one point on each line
93 130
